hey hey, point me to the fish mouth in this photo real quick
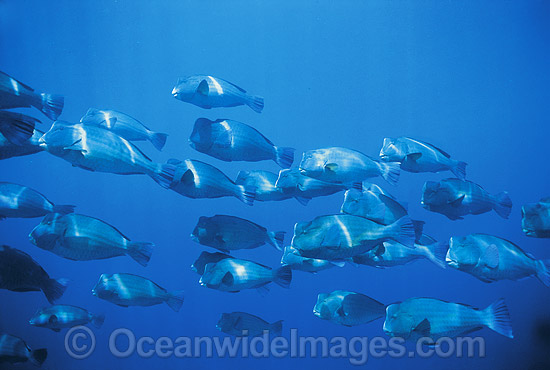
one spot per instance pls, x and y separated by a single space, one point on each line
175 92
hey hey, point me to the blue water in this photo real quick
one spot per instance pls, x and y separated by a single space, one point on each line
470 77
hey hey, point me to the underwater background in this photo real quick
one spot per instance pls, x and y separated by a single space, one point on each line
470 77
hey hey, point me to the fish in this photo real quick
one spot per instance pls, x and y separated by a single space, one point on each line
242 324
197 180
30 146
14 350
15 94
418 156
18 201
490 258
264 183
234 275
17 128
20 273
96 149
291 257
205 258
535 219
348 308
455 198
123 125
212 92
83 238
231 141
59 317
432 318
373 204
227 233
344 166
338 237
391 253
303 188
132 290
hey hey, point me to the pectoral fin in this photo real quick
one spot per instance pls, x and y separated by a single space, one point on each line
413 157
228 279
331 167
76 146
491 256
423 328
457 202
203 88
188 178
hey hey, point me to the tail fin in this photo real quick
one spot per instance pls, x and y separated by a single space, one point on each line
158 140
165 175
256 103
390 171
246 194
437 252
63 209
54 289
277 328
498 318
418 229
284 156
98 320
52 105
38 356
283 276
459 170
175 300
402 231
543 272
503 204
277 239
19 128
141 252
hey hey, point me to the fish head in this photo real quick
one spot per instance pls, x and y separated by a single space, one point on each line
434 194
287 179
398 323
203 233
43 319
46 234
354 201
186 88
391 151
314 163
306 237
536 218
105 287
203 136
321 309
463 252
212 276
61 135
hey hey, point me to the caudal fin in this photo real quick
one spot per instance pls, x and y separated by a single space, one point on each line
498 318
284 156
17 128
543 272
52 105
277 239
54 289
165 175
38 356
283 276
390 171
459 170
402 231
158 140
63 209
503 204
246 194
175 300
256 103
98 320
418 229
437 252
277 328
141 252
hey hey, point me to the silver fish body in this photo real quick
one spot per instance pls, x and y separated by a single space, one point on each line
19 201
58 317
84 238
14 350
345 166
418 156
132 290
242 324
212 92
291 257
348 308
264 183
